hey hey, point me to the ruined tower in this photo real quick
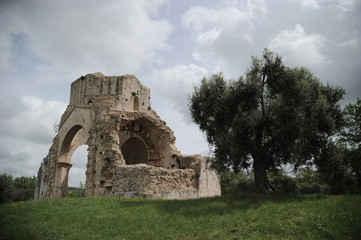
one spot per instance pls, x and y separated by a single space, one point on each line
131 151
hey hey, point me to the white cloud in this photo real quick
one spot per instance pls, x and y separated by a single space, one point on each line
349 43
176 83
197 56
203 18
208 37
248 38
311 3
35 121
89 35
343 5
223 35
299 48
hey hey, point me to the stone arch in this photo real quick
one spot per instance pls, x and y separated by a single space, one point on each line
135 151
74 138
66 144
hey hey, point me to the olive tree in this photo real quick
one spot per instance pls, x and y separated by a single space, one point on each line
272 115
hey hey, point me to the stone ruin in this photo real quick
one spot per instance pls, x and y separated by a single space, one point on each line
131 151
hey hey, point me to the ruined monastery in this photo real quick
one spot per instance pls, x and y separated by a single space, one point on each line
131 151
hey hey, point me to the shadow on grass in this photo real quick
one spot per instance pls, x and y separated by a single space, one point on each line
218 205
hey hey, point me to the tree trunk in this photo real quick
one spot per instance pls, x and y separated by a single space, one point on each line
260 176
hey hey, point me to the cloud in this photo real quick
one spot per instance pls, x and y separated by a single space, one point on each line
34 122
200 18
87 35
176 83
203 19
349 43
5 49
347 5
77 171
21 158
343 5
224 34
311 3
299 48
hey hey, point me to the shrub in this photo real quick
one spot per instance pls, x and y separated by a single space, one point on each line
307 188
232 182
284 184
7 189
76 192
20 189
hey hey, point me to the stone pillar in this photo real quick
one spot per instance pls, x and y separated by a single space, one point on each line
61 179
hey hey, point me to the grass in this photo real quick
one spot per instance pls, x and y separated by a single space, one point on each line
236 216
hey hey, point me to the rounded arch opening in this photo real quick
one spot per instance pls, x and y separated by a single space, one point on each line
65 147
77 172
135 151
73 141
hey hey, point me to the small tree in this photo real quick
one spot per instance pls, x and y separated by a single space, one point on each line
25 187
273 115
7 189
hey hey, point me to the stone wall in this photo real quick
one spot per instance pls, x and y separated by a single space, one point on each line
142 179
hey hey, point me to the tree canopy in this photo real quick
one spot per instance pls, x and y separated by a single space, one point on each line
272 115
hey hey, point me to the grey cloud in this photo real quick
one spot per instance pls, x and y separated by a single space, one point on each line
82 34
33 121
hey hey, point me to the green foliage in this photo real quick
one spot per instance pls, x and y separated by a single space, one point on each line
7 189
308 188
339 163
308 175
351 133
76 192
236 216
335 170
232 182
284 183
273 115
20 189
351 136
309 181
26 183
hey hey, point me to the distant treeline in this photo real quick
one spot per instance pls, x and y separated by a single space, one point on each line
18 189
305 181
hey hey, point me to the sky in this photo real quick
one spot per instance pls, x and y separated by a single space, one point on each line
169 45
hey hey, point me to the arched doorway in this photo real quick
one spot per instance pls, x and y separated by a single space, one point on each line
135 151
75 137
77 171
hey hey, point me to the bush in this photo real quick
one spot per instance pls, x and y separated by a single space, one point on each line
20 189
308 188
284 184
235 182
76 192
7 189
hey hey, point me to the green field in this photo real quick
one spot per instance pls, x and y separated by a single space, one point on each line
236 216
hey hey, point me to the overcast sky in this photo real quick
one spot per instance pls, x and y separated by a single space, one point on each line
168 45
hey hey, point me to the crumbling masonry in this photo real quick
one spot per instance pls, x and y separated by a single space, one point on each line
131 151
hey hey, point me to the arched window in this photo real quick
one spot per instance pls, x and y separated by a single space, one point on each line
135 151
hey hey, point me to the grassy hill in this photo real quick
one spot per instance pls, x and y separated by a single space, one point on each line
237 216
